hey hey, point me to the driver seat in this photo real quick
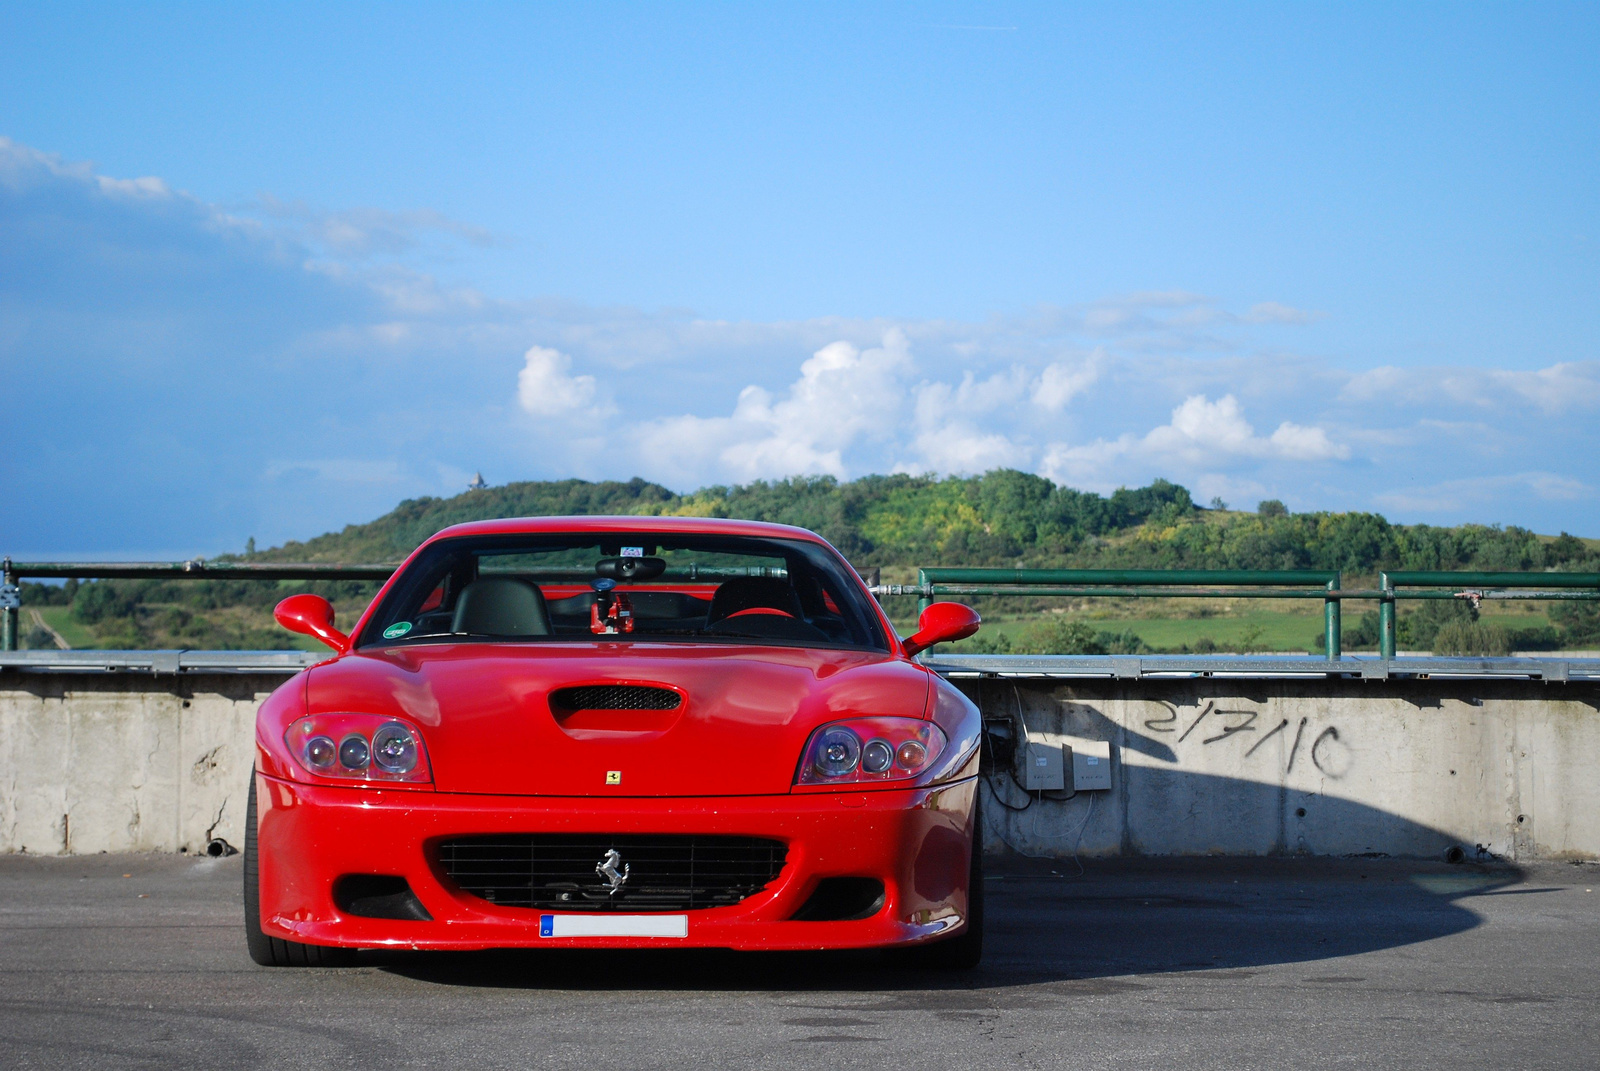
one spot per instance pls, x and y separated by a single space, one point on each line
501 606
750 593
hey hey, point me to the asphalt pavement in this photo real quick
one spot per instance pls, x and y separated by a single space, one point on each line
139 961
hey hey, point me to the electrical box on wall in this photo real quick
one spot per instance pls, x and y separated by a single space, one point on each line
1091 765
1044 768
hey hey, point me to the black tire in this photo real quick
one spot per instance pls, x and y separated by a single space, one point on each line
273 951
964 951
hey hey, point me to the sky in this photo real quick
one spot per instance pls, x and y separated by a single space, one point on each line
268 269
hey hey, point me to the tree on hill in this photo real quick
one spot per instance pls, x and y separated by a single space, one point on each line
896 522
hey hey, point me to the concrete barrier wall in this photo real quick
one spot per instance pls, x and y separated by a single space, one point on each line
135 762
1314 766
125 762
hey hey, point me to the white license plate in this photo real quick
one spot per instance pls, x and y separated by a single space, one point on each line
613 925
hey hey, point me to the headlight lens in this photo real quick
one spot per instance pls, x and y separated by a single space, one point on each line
320 752
877 756
837 752
353 752
896 749
394 749
369 748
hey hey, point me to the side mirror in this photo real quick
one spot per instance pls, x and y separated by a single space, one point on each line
941 622
311 615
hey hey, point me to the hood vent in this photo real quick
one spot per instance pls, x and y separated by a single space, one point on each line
614 697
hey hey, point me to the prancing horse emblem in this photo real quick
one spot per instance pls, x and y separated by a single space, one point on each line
607 868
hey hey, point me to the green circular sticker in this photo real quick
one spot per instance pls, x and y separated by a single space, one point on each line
396 630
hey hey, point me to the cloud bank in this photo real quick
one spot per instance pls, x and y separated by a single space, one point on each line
185 375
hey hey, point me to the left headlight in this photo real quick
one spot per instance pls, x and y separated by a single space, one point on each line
871 750
358 747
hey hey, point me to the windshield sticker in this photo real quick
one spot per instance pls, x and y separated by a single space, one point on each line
633 552
396 630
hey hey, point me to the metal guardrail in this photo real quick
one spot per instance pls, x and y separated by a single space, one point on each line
1065 667
160 662
933 582
1146 667
194 569
1324 584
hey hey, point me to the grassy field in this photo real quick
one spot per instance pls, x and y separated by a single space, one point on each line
1163 624
1257 626
60 618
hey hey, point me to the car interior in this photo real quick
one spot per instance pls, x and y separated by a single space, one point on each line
522 596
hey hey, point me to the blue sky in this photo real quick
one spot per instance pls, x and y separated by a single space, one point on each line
266 270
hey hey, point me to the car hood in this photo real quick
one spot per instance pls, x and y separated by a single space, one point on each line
489 725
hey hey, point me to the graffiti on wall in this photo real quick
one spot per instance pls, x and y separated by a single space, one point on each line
1212 724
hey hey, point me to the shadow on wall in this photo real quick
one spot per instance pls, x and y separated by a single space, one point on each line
1262 773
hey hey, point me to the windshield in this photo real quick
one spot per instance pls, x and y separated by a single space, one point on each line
612 586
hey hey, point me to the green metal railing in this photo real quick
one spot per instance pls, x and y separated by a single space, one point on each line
933 583
195 569
1324 584
1476 587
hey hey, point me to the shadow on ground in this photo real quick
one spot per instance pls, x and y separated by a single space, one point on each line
1048 923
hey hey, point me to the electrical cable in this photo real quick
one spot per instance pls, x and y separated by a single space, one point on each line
999 829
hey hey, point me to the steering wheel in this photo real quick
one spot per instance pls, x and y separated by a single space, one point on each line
768 610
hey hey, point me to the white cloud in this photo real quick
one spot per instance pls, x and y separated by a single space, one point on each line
1062 381
365 232
1557 388
545 387
946 435
1272 312
1201 437
844 395
1476 493
1299 443
1204 431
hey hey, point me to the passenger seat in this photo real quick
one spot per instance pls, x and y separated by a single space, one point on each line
501 606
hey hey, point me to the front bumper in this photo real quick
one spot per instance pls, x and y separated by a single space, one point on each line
916 841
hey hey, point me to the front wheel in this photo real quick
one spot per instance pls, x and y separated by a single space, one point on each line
273 951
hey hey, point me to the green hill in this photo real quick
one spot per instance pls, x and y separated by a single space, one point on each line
896 523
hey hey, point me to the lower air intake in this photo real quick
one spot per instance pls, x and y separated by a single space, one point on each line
601 872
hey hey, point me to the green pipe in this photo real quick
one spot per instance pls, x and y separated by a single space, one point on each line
1138 577
1326 594
1505 596
201 570
1152 593
1439 579
1332 629
8 615
926 585
1385 619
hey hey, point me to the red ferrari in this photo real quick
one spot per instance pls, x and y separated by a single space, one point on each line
616 732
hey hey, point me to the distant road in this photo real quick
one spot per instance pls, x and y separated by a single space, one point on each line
38 619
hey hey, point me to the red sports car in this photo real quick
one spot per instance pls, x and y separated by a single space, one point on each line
606 732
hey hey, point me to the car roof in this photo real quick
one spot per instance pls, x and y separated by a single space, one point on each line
702 525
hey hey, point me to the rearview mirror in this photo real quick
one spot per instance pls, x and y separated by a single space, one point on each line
940 623
311 615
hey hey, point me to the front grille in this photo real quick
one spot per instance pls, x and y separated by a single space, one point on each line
664 873
615 697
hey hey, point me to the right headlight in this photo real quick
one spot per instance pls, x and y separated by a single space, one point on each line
358 747
872 750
